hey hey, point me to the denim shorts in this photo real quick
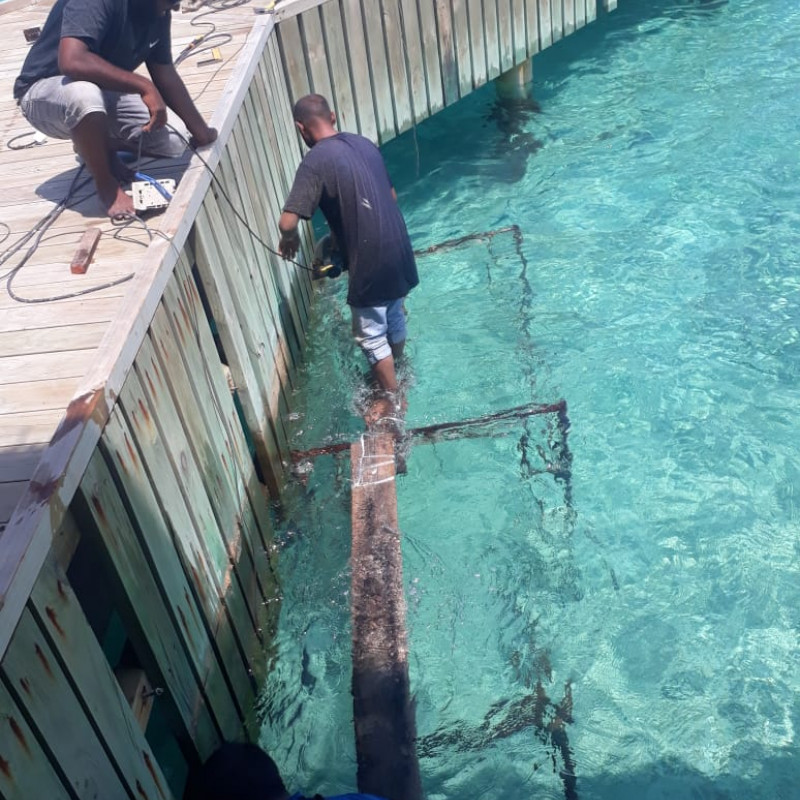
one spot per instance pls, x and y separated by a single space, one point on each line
377 328
56 105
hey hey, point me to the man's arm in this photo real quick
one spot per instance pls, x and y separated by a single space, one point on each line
76 61
172 88
290 237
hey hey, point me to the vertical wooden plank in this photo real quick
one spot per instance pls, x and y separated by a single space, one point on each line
272 324
148 389
430 52
532 26
260 117
221 398
26 771
580 13
609 5
461 41
447 51
156 630
557 19
505 34
520 33
545 24
316 55
206 423
378 68
59 614
289 143
477 43
569 16
343 98
40 685
493 43
591 10
138 466
409 19
362 80
398 73
270 275
294 65
243 348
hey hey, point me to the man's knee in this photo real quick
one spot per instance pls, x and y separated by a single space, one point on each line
56 106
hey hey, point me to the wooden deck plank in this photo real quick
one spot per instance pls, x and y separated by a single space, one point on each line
17 462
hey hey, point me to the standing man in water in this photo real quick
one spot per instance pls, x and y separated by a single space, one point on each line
344 175
78 82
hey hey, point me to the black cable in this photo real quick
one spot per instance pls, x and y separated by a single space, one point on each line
233 208
10 142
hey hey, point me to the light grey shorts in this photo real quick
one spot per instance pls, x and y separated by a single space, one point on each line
56 105
377 328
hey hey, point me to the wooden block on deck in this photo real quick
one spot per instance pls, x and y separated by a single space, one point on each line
86 247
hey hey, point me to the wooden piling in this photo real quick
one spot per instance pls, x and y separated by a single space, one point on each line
383 712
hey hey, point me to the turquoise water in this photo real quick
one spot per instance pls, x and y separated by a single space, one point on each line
658 194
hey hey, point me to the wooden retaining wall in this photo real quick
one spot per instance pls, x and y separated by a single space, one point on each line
388 64
138 579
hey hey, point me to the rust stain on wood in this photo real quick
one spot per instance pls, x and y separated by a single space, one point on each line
26 687
98 507
61 592
121 461
179 328
5 768
44 662
53 617
140 791
150 384
19 735
143 408
151 770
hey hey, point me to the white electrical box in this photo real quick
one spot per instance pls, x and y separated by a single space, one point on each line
146 196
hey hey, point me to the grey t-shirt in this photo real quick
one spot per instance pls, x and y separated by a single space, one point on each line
344 175
119 31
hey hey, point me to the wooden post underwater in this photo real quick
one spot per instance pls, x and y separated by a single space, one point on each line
517 83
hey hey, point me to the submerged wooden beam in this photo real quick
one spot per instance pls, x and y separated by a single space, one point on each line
383 712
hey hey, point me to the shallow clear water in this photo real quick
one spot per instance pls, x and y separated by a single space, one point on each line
658 195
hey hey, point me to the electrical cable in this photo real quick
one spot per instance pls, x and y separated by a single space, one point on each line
34 143
233 208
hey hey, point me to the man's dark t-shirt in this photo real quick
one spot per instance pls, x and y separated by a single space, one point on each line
344 175
120 31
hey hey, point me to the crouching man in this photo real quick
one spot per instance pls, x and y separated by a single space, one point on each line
78 82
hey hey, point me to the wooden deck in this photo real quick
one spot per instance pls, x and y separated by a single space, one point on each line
47 348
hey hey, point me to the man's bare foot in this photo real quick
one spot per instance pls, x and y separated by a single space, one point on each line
119 205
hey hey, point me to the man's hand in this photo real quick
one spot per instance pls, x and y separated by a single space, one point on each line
290 238
151 97
203 137
289 243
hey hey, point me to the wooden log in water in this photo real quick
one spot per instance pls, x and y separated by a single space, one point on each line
383 712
